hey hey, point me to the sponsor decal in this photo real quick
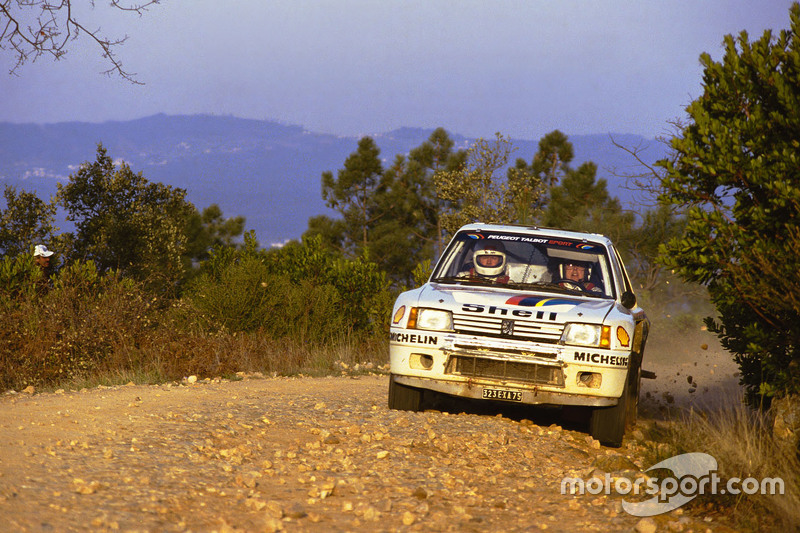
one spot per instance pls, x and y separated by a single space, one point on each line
413 338
537 240
601 359
398 316
623 337
502 311
538 301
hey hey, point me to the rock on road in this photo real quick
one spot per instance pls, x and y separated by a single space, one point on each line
295 454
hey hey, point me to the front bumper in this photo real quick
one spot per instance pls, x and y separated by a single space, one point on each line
536 373
475 389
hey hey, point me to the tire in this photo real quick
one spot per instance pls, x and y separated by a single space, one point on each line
607 424
403 397
634 386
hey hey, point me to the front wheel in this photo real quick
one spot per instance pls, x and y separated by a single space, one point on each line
403 397
608 423
634 386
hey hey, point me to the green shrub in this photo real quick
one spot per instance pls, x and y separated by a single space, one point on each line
301 291
246 297
19 277
241 298
361 286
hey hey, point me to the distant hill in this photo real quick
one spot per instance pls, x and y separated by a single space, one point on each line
266 171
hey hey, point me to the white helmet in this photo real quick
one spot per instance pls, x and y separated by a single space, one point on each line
486 260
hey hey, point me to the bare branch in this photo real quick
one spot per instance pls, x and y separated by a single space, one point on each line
33 28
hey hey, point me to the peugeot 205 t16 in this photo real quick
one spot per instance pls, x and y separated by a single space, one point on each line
527 315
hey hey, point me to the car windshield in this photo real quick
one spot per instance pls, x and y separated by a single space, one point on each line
526 261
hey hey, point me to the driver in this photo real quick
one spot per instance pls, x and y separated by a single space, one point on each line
489 263
577 271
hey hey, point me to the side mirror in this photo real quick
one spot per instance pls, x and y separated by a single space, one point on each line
628 299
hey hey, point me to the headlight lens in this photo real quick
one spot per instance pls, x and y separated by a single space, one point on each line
431 319
587 335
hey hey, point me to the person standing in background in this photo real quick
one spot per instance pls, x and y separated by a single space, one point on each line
42 257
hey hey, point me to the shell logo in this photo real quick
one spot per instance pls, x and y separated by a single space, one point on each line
623 337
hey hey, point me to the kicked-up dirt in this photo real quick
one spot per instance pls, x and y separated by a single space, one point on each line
301 454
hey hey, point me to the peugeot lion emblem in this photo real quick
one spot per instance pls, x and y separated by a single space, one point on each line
507 327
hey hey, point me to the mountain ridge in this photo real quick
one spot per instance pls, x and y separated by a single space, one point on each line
267 171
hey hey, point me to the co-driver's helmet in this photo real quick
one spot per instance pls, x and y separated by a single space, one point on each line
490 260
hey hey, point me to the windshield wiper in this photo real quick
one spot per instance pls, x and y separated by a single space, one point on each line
453 279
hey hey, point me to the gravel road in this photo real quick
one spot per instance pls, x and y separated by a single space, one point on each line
299 454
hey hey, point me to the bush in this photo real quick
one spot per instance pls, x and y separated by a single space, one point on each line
76 328
300 291
361 286
246 297
295 311
19 277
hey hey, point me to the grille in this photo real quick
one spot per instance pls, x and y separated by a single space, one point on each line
484 367
540 330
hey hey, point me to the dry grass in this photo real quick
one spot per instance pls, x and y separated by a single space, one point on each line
118 335
741 441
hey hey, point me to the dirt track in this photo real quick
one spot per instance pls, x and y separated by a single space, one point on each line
297 455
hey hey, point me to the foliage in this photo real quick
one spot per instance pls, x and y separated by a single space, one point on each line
422 272
125 222
246 297
301 291
412 231
93 327
549 166
72 330
582 203
474 192
361 286
736 172
392 212
744 446
207 230
19 278
352 194
25 222
642 244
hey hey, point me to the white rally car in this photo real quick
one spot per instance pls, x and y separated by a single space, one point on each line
528 315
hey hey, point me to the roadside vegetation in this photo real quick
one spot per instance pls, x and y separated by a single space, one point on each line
147 288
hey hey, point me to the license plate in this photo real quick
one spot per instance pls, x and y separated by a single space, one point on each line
498 394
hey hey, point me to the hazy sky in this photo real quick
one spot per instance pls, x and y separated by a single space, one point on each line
522 68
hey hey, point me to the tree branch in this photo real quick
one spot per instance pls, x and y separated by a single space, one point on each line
45 27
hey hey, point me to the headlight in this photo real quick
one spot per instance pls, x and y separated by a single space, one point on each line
431 319
587 335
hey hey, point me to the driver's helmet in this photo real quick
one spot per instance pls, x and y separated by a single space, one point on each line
490 260
570 265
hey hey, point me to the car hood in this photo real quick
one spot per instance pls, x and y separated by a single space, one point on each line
568 307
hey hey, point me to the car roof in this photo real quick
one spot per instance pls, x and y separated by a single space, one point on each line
537 230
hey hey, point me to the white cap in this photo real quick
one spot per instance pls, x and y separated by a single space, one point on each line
42 250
